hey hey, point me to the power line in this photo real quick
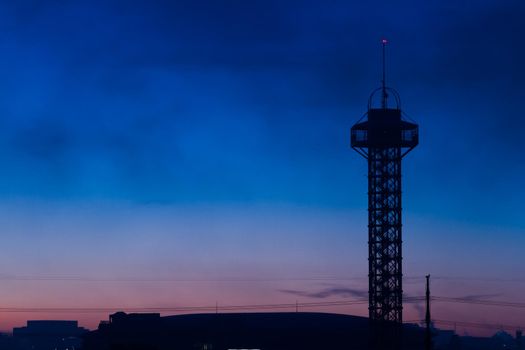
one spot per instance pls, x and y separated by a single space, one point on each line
477 325
37 278
182 308
345 302
149 280
294 306
479 302
280 306
480 279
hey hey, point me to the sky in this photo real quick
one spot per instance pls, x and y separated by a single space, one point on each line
186 153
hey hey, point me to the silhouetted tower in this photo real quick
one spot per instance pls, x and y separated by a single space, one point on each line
384 137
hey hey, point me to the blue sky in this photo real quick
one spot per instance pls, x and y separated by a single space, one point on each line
211 138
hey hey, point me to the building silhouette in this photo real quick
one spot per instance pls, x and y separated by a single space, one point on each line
268 331
48 335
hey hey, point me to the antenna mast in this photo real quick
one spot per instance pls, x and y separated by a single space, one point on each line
383 82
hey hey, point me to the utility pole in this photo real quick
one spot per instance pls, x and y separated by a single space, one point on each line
428 334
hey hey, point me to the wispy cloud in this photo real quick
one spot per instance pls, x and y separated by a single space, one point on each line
475 297
328 292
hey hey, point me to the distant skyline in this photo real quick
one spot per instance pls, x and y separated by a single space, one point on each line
176 153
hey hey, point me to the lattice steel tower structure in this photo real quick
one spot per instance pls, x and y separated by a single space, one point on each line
383 136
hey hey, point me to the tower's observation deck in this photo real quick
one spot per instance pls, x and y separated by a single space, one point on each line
384 128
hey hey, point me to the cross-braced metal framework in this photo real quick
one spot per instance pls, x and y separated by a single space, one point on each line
384 234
